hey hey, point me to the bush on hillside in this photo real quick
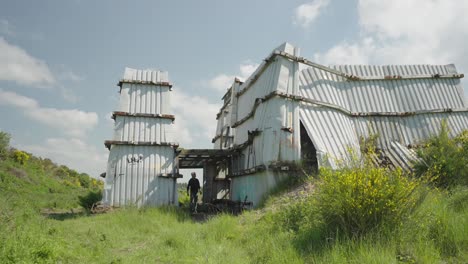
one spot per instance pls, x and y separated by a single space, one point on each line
444 160
4 143
356 200
20 156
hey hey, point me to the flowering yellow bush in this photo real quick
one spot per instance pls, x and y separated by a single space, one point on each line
355 200
20 156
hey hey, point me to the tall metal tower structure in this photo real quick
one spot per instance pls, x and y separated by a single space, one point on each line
141 168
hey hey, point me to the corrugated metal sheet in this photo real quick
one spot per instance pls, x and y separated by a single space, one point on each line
333 132
272 118
143 129
145 75
134 176
140 174
255 186
271 115
144 98
384 95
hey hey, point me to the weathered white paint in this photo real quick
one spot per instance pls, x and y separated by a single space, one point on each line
141 174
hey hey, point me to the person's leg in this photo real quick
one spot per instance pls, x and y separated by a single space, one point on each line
194 200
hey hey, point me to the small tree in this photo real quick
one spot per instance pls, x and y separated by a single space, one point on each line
4 143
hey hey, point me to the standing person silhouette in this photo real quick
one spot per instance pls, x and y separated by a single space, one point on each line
194 187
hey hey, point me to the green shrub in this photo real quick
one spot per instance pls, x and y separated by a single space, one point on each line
89 199
184 198
444 160
85 180
20 157
356 200
4 143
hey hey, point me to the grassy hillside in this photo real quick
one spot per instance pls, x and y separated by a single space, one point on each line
389 217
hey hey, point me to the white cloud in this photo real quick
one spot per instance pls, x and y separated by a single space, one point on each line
74 153
306 14
195 122
17 65
247 68
72 122
406 32
345 53
223 81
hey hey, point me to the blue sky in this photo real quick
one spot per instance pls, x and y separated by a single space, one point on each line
60 60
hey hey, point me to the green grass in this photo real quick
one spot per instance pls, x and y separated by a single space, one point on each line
286 230
434 233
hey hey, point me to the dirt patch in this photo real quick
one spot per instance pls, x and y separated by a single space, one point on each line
301 191
19 173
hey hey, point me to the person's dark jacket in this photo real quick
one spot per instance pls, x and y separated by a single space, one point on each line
193 185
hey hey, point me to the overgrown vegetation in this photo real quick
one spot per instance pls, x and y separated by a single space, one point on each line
26 179
362 214
444 160
357 200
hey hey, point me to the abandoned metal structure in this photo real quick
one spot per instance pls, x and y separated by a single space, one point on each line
141 167
292 112
291 115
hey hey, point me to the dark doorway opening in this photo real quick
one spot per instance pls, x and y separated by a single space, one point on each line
214 162
308 152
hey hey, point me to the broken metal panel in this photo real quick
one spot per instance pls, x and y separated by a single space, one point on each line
411 130
400 156
332 134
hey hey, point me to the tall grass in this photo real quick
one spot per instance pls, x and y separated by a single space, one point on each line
358 215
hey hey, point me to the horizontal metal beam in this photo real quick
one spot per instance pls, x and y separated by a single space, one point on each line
351 77
170 175
163 116
109 143
165 84
345 111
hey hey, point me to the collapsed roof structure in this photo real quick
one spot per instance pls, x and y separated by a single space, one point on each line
292 111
